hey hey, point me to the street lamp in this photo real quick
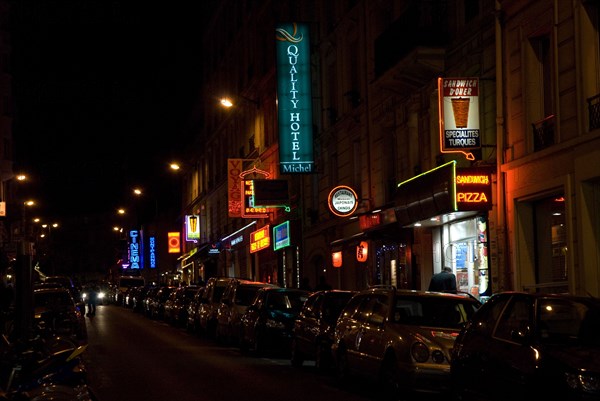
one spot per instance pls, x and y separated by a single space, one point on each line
228 102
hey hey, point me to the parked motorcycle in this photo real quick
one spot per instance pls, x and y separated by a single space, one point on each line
43 370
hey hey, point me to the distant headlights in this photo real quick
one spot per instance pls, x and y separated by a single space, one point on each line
587 383
101 295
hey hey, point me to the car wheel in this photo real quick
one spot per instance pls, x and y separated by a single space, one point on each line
389 377
297 358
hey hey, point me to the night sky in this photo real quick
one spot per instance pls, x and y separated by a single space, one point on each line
102 92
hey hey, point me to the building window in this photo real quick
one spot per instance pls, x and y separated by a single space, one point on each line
540 92
543 266
551 240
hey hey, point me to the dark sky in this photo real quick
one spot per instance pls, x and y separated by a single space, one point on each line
102 92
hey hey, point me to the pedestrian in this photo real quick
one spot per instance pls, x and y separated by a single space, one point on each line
444 281
322 285
92 298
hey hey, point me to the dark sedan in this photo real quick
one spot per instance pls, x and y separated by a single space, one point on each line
522 346
268 322
314 328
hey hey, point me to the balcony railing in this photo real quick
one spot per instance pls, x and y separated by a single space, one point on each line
543 133
594 111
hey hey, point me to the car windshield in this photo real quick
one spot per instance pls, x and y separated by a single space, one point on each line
433 311
568 322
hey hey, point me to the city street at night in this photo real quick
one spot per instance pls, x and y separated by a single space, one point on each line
131 357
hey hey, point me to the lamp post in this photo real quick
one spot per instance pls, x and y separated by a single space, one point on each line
23 284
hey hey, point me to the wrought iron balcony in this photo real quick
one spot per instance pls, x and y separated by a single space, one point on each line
594 112
543 133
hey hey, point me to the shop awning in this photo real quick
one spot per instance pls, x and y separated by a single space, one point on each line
426 195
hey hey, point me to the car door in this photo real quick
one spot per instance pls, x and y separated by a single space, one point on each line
471 366
511 359
304 324
372 345
350 331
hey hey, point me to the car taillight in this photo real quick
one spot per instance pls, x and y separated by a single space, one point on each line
419 352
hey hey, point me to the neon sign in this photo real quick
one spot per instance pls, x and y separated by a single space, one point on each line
134 250
174 242
260 239
473 189
152 250
192 228
281 234
234 168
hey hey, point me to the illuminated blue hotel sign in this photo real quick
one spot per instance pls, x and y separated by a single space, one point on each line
294 99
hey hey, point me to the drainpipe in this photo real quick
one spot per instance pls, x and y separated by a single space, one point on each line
503 276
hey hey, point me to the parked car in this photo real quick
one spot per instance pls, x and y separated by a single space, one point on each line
176 306
193 322
124 283
268 322
236 297
157 305
57 314
525 346
67 283
314 327
400 338
150 300
137 301
207 310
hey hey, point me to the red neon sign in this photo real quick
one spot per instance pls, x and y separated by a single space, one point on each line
260 239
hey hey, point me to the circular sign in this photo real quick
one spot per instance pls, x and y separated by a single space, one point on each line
342 201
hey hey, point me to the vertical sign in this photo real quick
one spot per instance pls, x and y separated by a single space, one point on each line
192 228
174 242
234 195
134 249
152 251
459 115
294 99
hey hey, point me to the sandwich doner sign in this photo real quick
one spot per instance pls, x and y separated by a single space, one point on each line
459 115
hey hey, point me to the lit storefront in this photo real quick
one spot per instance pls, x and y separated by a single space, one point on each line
447 207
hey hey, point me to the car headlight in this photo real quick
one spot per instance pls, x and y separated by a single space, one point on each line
419 352
83 296
100 295
583 382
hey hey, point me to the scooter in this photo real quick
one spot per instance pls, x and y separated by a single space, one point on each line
33 375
